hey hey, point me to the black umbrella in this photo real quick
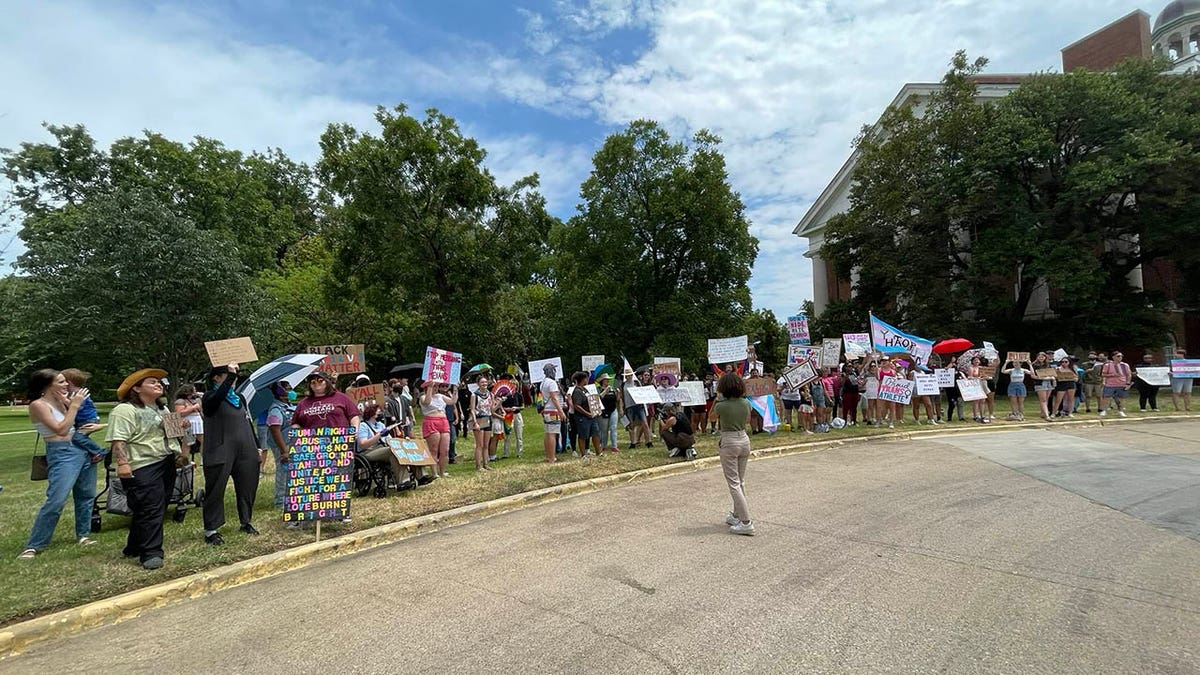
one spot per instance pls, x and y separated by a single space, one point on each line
406 367
644 369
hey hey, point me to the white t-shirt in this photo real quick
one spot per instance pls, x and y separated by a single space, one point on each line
787 393
548 387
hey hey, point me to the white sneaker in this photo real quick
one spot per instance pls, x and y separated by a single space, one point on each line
891 426
743 528
1103 413
732 520
1122 413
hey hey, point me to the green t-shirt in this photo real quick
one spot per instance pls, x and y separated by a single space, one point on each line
732 413
142 431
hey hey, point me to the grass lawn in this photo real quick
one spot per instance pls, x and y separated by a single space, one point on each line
66 575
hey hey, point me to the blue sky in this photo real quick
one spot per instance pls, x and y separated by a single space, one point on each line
540 83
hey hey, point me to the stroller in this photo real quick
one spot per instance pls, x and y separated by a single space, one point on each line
112 498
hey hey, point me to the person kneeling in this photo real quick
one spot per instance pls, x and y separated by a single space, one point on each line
676 432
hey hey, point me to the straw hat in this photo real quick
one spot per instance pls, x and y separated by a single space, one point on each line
132 381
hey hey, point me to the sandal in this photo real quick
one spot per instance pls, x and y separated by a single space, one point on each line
28 553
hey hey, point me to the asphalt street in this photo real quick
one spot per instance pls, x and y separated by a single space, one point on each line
1007 552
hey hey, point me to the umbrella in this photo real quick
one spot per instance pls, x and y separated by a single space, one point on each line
644 368
291 368
952 346
600 370
479 368
964 360
406 368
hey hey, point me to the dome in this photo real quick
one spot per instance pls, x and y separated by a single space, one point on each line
1175 10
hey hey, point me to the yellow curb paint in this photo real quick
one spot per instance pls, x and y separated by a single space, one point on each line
16 638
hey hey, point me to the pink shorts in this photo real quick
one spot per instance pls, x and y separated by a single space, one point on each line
434 425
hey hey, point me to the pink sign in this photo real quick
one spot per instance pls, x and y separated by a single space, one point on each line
441 365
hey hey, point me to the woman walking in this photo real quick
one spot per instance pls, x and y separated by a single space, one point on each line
69 469
734 448
435 427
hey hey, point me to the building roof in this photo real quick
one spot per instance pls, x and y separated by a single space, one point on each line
1175 10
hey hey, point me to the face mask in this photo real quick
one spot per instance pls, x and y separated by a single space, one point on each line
291 396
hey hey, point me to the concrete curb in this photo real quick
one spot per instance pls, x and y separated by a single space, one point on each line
16 638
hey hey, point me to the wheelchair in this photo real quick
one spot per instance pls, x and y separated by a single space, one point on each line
375 477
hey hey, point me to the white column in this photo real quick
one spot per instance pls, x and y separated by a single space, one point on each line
820 282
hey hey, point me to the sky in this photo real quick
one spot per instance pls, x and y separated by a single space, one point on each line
540 83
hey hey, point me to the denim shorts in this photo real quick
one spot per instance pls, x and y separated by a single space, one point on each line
586 427
1016 389
636 413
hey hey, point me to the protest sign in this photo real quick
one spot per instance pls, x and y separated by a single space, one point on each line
971 390
1185 368
595 405
442 365
341 359
728 350
666 364
858 345
945 377
1159 376
760 386
758 365
411 451
675 395
987 372
174 425
537 369
926 384
798 329
225 352
371 393
1017 358
890 340
800 374
319 474
831 352
1045 373
592 362
643 395
1066 375
798 353
696 393
895 389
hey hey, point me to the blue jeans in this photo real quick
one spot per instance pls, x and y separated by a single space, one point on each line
266 440
70 471
608 429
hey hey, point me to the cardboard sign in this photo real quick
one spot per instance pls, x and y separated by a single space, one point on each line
319 475
595 406
643 395
174 425
537 369
799 374
858 345
798 329
760 386
945 377
1067 375
666 364
831 352
1185 369
987 372
442 366
1158 376
372 393
926 384
591 362
895 389
728 350
225 352
1017 358
1045 373
971 390
411 451
341 359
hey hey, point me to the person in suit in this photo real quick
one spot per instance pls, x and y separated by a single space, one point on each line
230 449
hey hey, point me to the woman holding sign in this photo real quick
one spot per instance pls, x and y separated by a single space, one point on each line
979 407
1043 371
1016 389
435 426
231 450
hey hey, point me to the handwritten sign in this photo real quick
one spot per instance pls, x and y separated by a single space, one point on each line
643 395
591 362
971 390
1184 369
926 384
225 352
1045 373
987 372
675 395
895 389
342 359
728 350
945 377
760 386
798 353
798 329
537 369
319 475
695 390
442 365
799 374
1158 377
372 393
857 345
174 425
666 364
831 352
411 451
1066 375
1017 358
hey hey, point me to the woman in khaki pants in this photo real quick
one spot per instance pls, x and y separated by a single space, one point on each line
734 448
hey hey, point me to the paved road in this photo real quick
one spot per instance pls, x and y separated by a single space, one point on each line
1011 552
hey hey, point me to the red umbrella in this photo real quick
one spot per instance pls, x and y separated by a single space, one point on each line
952 346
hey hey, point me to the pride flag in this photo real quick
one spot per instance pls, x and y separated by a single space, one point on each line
888 339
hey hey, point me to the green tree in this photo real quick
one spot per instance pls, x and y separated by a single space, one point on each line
658 258
108 291
763 327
